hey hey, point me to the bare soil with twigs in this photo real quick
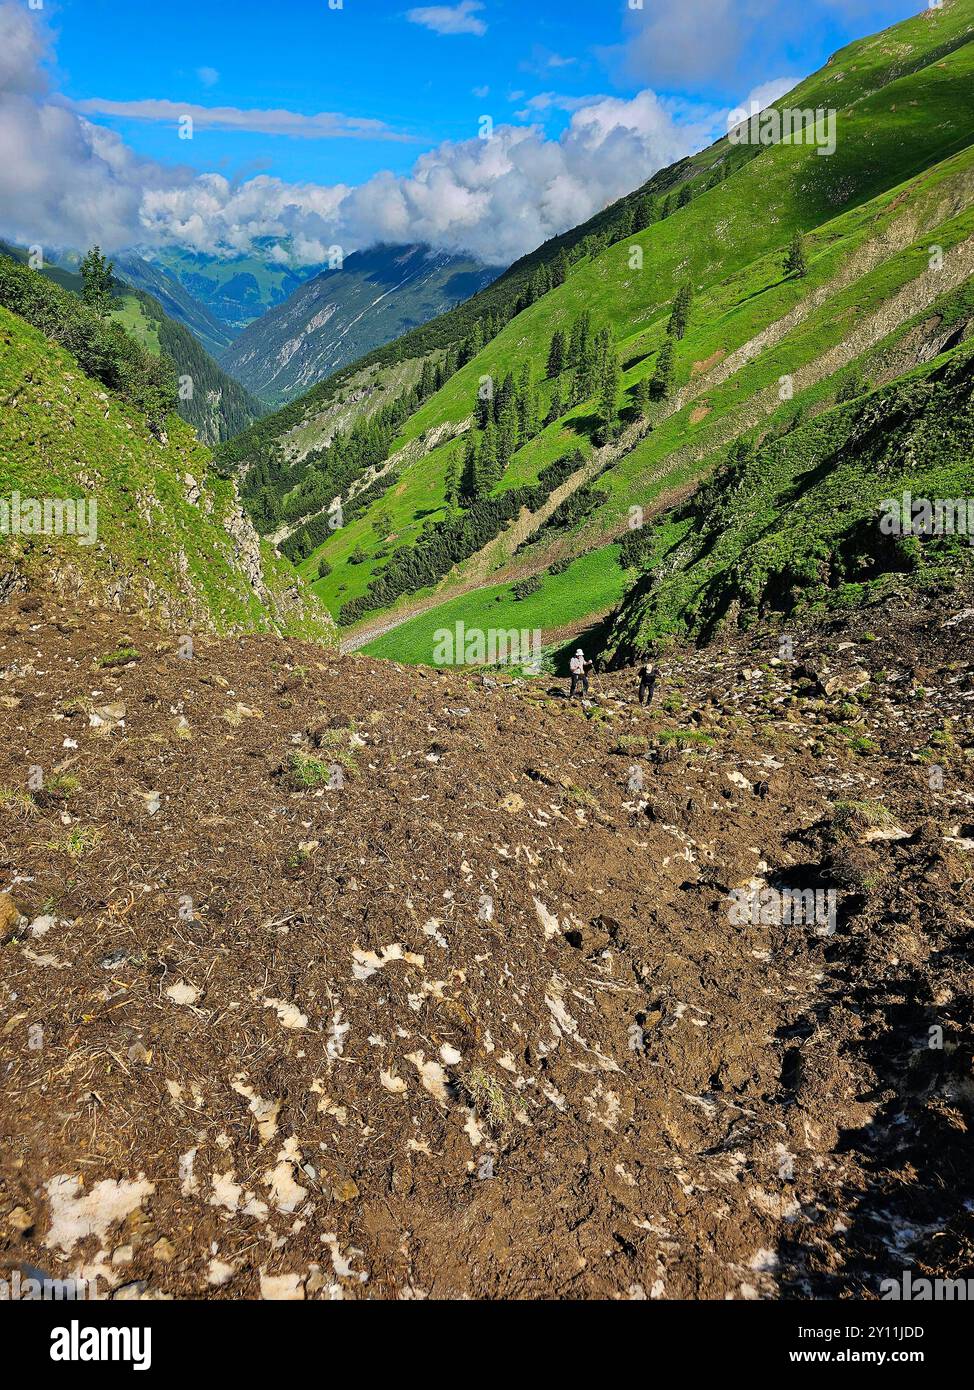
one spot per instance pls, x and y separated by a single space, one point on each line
323 977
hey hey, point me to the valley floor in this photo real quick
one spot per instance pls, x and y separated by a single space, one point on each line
324 977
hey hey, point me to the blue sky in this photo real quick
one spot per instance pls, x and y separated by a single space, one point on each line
368 60
316 126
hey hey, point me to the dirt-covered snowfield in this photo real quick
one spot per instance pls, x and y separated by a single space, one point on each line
326 978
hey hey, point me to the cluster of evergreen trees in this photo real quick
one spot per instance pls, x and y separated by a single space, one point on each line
447 542
582 363
503 420
592 363
547 277
641 210
574 508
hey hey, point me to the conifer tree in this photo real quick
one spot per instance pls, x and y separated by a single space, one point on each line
507 434
468 474
484 407
579 341
488 471
680 316
98 274
662 384
645 213
556 410
527 405
452 483
556 355
796 262
609 398
640 397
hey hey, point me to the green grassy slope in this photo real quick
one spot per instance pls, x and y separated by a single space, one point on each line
901 180
589 585
171 537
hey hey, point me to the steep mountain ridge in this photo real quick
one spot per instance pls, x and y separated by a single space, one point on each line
341 315
178 303
235 290
212 401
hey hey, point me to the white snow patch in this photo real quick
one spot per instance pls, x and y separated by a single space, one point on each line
75 1215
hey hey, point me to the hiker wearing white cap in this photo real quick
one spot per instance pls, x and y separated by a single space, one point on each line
579 668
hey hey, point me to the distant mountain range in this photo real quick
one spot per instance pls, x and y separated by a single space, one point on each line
179 304
280 329
300 325
236 290
340 315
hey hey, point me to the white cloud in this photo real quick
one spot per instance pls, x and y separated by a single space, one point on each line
24 46
450 19
67 182
63 181
208 76
502 197
326 125
496 199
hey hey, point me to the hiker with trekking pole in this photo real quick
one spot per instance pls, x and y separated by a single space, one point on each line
580 668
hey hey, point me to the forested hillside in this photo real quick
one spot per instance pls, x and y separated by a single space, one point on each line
216 405
176 301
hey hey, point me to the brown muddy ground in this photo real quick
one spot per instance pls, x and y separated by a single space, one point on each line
477 1021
